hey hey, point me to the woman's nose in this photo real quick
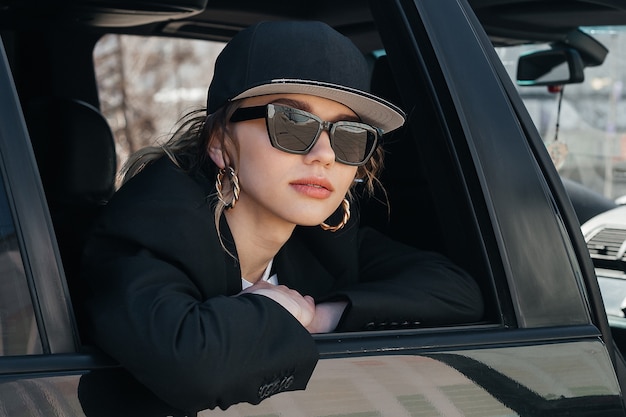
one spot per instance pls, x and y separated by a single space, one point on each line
322 151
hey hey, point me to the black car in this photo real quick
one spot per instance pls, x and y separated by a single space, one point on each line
468 176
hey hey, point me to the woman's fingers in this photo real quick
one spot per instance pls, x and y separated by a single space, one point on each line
301 307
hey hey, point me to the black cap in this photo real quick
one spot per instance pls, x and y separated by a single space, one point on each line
303 57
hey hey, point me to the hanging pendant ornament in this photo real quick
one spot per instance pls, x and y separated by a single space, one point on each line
558 153
558 150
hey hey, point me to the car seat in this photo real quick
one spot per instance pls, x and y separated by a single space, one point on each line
75 152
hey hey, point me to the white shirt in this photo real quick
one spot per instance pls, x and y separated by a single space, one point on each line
266 277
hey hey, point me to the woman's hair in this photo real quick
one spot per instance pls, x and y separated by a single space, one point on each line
188 148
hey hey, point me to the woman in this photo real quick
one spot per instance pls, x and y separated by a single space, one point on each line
209 270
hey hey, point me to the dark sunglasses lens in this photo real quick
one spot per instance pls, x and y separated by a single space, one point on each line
353 143
295 131
291 130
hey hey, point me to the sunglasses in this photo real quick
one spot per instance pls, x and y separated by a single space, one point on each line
296 131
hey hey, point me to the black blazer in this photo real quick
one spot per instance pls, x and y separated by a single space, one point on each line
160 294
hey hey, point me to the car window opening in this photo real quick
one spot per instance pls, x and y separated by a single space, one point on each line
76 194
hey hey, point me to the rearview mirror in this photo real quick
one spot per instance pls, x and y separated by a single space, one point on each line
550 67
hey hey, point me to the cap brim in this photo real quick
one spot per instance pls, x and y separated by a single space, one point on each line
371 109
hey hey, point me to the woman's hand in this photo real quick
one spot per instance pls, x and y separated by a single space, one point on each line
327 316
322 318
301 307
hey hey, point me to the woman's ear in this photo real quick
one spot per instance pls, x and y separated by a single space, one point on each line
216 152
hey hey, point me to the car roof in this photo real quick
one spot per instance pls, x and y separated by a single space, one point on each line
510 22
506 21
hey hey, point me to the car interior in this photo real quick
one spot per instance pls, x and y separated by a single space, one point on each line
50 49
78 176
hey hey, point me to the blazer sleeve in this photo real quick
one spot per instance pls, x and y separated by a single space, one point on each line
388 284
159 304
400 286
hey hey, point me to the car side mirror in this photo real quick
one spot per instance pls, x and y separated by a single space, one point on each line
550 67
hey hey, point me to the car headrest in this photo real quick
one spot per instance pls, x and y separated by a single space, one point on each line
74 148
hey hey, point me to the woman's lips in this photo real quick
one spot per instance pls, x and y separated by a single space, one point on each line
316 188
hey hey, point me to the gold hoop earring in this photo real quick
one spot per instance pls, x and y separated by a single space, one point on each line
345 205
234 182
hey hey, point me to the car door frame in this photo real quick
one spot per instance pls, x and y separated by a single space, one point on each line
33 224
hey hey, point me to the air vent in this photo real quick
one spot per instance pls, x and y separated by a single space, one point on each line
607 243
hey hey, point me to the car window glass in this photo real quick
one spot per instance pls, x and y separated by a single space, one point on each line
588 145
18 328
146 84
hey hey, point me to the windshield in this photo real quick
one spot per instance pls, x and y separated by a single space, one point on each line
588 141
